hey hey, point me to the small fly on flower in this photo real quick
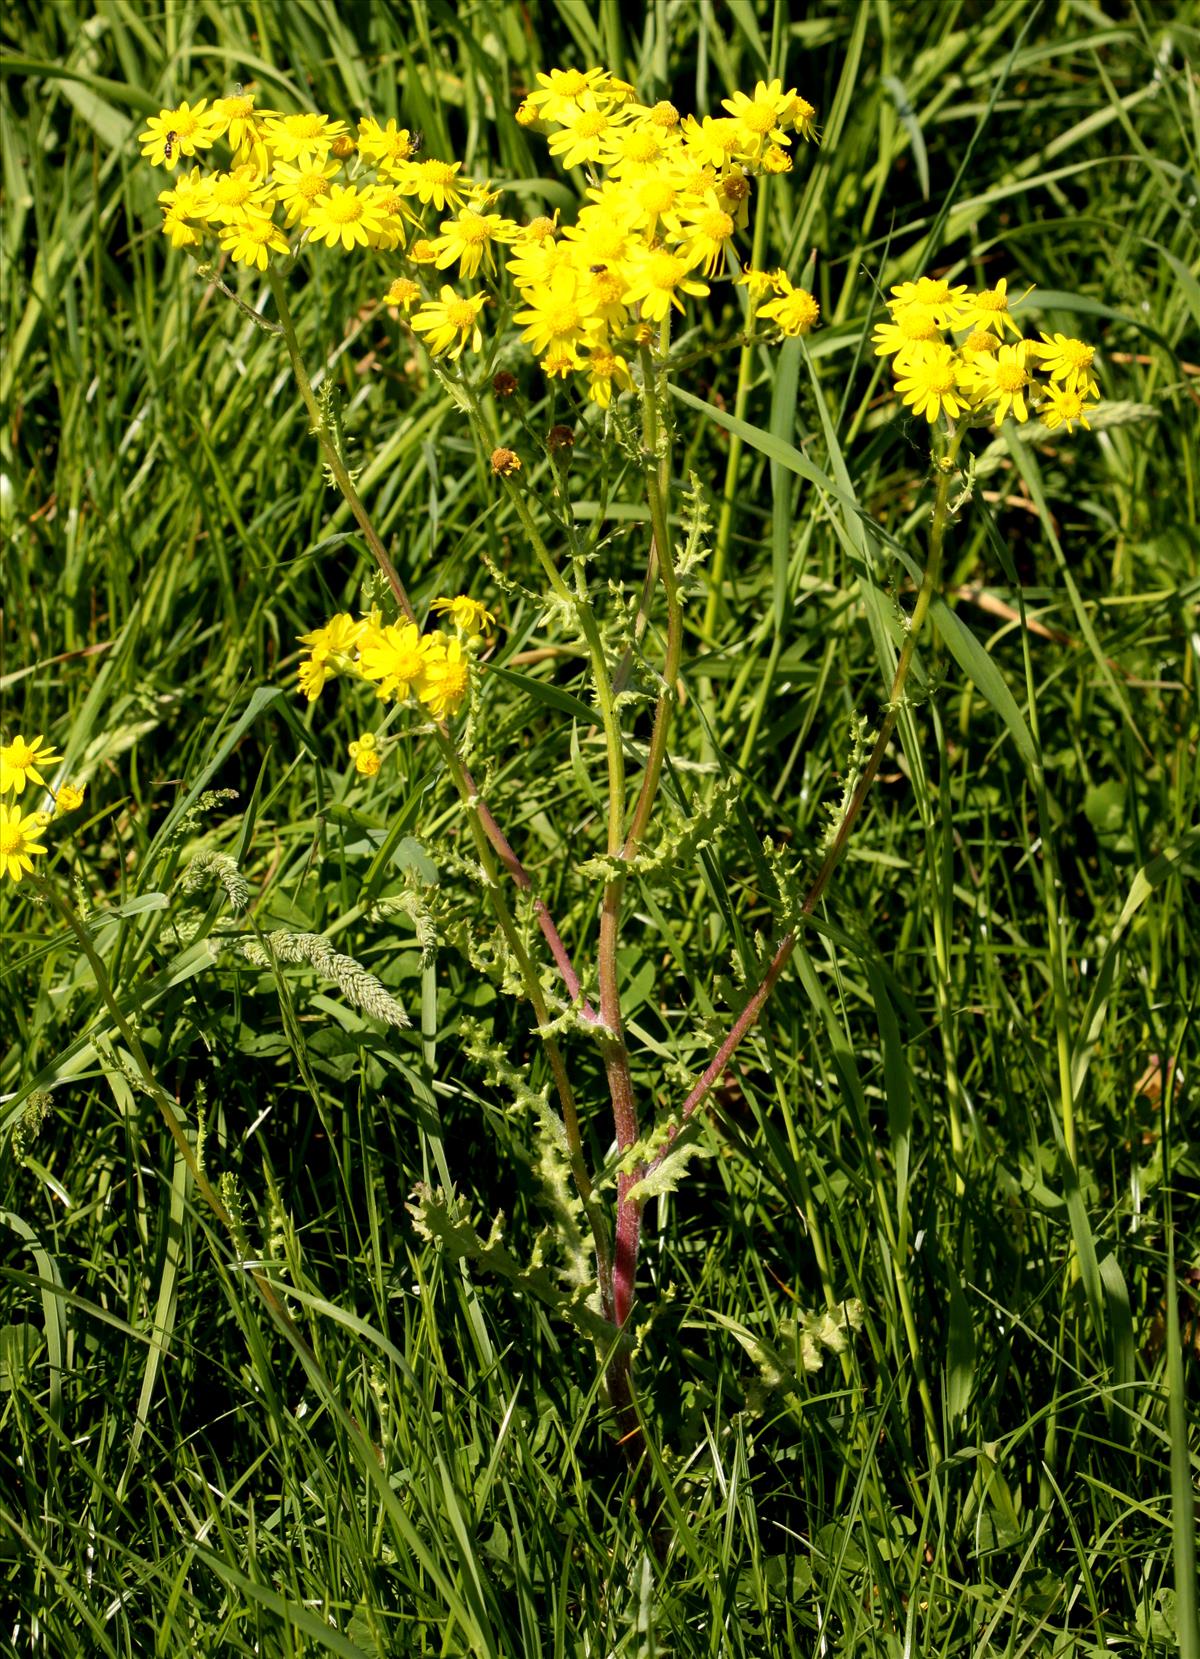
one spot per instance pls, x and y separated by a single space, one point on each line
416 143
169 146
596 270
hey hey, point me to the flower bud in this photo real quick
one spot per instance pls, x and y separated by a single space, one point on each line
504 384
505 463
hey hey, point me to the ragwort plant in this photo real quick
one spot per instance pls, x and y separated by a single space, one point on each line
668 218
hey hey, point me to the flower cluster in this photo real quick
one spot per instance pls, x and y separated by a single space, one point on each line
404 664
21 832
665 200
960 352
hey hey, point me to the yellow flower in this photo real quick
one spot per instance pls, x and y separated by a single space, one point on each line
19 763
913 327
559 92
19 844
330 652
930 383
944 302
447 676
560 361
394 658
301 138
386 146
187 197
239 120
1066 407
605 371
300 187
175 133
179 232
403 292
231 196
795 311
468 615
423 252
760 282
704 228
68 799
365 755
658 278
555 314
1068 360
987 309
803 116
763 114
586 131
347 215
639 149
776 160
452 317
714 141
251 238
1002 379
432 181
469 239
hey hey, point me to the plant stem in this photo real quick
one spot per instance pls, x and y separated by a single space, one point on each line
929 585
345 484
485 831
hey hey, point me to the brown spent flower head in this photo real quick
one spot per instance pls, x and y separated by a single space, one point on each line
505 463
559 438
504 385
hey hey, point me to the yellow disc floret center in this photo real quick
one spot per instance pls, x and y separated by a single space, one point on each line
306 126
991 299
591 123
474 229
714 224
916 322
1010 377
460 314
11 839
665 271
759 117
345 210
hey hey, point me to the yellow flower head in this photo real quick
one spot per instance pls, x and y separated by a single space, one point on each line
385 146
1068 360
231 196
447 676
1002 380
68 799
252 238
347 215
19 763
432 181
658 279
301 138
330 652
450 322
470 240
394 658
403 292
468 615
174 133
930 383
913 328
19 843
301 187
794 310
988 309
1066 406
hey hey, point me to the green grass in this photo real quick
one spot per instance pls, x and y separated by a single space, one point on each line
179 1477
